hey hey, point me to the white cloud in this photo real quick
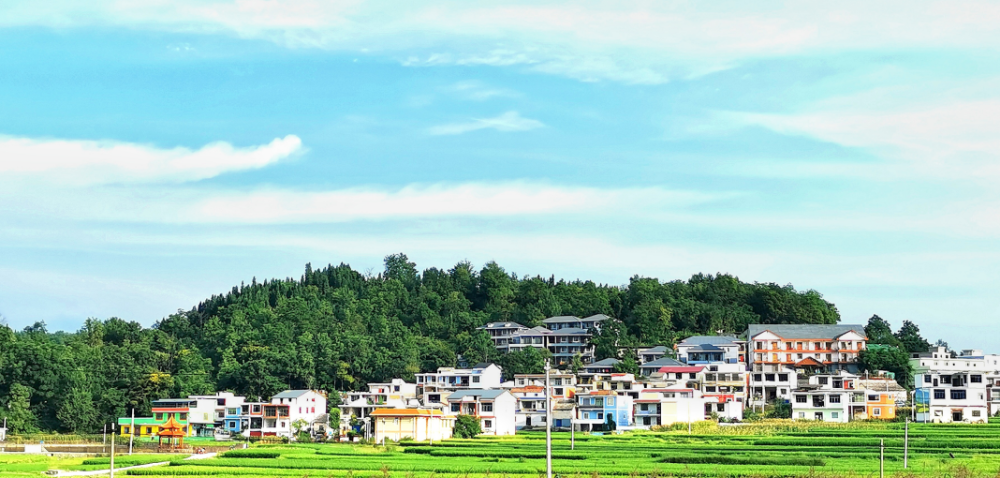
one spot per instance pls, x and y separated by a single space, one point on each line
647 42
77 162
946 131
507 122
477 91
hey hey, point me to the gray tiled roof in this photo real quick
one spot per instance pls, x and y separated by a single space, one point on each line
704 348
560 319
663 362
484 393
805 331
501 325
659 349
709 339
608 362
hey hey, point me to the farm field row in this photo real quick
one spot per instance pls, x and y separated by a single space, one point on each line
784 449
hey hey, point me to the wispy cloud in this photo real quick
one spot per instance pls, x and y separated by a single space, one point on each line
632 43
78 162
478 91
510 121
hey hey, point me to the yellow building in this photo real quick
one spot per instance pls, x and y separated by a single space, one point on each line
144 427
395 424
880 405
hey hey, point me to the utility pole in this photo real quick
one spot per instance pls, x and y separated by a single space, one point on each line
548 423
131 432
572 428
881 458
906 444
104 440
112 450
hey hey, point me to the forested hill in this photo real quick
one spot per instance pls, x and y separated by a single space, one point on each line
336 328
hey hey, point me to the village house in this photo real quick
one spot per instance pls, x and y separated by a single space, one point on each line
882 395
649 354
601 409
417 424
501 332
306 410
563 383
665 406
162 411
209 412
723 383
496 409
435 387
705 349
358 405
593 373
784 350
649 368
829 398
530 410
953 388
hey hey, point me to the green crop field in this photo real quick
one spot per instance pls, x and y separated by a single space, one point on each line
777 449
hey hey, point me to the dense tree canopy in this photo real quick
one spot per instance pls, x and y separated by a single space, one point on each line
337 329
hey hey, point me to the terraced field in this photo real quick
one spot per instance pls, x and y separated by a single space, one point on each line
762 450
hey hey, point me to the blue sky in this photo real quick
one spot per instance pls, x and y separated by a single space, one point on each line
155 153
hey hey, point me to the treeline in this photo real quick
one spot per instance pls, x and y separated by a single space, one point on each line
336 328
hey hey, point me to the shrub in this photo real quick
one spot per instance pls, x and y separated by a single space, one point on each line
467 426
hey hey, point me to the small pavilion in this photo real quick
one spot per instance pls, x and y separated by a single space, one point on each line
173 432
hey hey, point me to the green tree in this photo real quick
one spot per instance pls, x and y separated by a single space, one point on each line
467 426
909 337
77 411
20 418
629 363
889 358
879 331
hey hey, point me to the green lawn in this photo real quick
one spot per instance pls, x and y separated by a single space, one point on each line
779 449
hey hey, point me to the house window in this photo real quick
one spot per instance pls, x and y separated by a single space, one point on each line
692 376
927 378
976 379
782 377
834 399
976 413
800 399
557 391
720 407
873 398
939 394
823 380
877 412
455 407
126 430
958 394
644 407
159 416
946 379
487 407
488 423
182 416
710 389
611 401
834 414
475 379
802 414
600 416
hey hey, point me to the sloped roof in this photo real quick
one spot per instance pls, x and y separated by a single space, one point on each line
500 325
659 349
560 319
291 394
662 362
808 362
805 331
482 393
705 348
597 317
709 340
608 362
680 369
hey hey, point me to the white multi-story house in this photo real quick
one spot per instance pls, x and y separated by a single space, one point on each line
594 373
829 398
530 411
435 387
649 354
665 406
649 368
953 388
769 386
793 348
496 409
501 332
308 406
209 412
397 393
622 384
725 387
563 383
704 349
